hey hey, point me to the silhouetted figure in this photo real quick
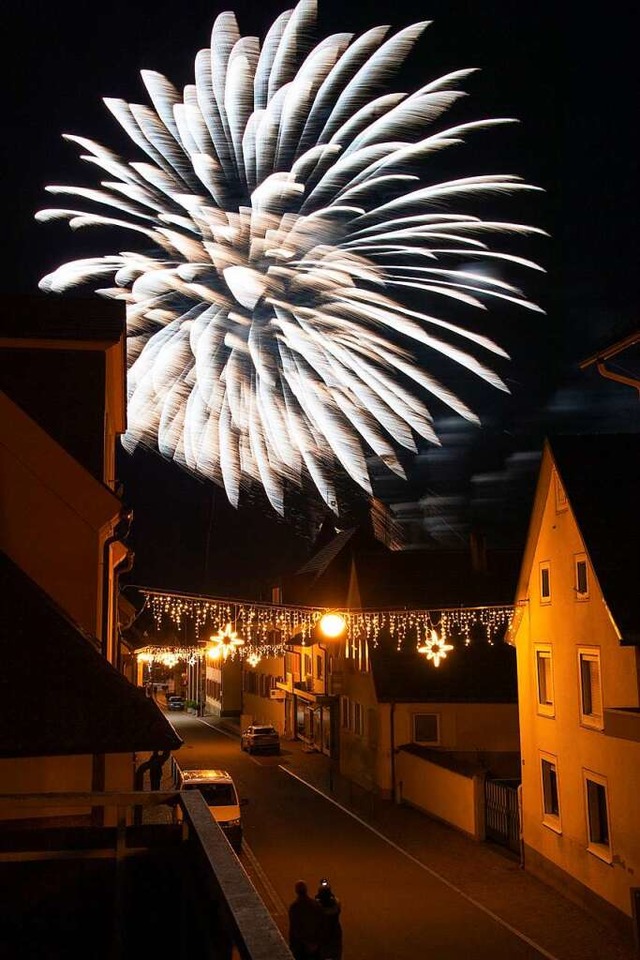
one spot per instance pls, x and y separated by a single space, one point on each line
330 929
154 765
305 919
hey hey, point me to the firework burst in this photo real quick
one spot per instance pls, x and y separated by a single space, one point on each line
280 226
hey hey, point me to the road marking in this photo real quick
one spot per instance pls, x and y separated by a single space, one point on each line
278 906
214 726
423 866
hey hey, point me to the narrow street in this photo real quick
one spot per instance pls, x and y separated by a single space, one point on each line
393 905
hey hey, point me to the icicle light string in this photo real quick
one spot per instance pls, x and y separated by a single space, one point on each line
267 629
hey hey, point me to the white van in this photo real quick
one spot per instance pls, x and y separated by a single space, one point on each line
220 795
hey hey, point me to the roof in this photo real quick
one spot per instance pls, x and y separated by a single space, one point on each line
58 695
319 562
601 477
478 673
354 566
46 318
206 776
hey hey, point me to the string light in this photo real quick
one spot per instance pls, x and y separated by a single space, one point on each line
267 629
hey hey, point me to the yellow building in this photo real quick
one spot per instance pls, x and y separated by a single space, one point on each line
71 721
577 636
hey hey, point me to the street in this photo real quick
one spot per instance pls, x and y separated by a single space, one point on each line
393 906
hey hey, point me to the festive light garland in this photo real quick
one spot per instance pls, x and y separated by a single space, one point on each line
267 629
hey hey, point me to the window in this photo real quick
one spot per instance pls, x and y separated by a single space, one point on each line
319 666
358 719
550 793
426 728
545 582
590 688
597 811
581 580
344 712
307 664
544 681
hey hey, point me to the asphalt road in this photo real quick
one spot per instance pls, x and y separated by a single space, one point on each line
393 907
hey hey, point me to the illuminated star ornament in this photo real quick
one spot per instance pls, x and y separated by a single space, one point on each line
289 264
435 648
254 659
224 644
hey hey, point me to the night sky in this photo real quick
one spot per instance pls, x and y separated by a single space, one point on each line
568 77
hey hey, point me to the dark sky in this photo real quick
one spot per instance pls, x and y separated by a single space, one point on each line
570 79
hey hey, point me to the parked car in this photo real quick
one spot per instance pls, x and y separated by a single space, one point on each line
220 795
260 738
174 702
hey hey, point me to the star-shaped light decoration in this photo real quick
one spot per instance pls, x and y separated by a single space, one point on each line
254 659
224 644
435 648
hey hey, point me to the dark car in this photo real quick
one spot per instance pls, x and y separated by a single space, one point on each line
175 702
260 738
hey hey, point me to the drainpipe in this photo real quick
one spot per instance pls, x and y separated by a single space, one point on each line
392 735
126 516
98 772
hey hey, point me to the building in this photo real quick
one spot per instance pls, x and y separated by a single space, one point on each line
71 719
577 637
369 699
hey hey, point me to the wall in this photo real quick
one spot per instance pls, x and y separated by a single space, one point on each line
464 726
449 796
60 775
263 709
567 623
55 517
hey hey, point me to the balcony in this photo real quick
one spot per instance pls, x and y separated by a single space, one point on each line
622 722
147 884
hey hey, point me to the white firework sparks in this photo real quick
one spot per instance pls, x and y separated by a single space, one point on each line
282 219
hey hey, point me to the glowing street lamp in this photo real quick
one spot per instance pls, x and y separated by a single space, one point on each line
332 625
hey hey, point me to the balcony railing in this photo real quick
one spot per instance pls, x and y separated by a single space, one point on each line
130 888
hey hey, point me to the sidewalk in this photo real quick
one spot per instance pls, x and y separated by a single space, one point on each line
483 872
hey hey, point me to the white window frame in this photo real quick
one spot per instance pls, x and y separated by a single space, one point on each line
592 719
544 565
544 652
601 850
414 719
550 819
580 558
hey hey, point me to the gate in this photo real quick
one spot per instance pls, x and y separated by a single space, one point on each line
502 816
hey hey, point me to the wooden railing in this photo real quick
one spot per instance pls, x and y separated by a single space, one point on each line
205 905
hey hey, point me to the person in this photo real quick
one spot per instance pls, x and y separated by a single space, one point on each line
330 928
305 919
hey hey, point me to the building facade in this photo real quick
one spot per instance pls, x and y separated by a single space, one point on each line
576 634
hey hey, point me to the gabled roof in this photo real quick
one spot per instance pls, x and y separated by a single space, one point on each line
601 477
318 563
478 673
354 564
58 695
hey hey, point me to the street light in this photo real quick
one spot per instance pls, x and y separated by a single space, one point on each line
332 625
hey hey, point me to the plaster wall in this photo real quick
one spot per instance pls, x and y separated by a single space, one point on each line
567 623
59 775
441 793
